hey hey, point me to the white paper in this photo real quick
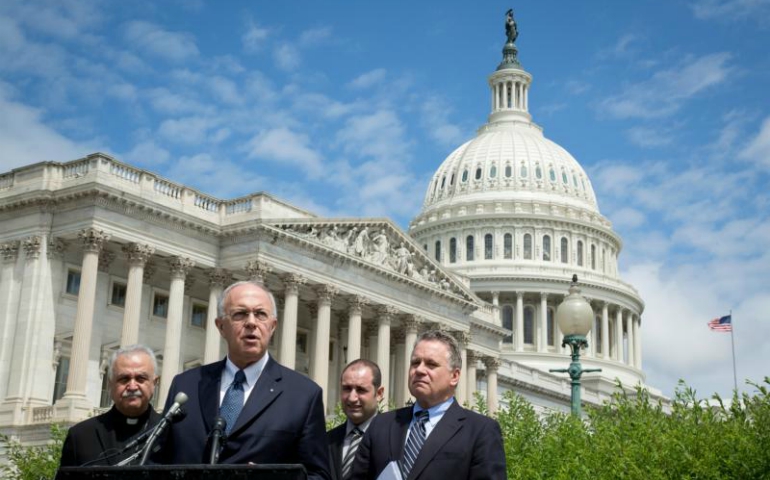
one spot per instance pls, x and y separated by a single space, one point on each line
391 472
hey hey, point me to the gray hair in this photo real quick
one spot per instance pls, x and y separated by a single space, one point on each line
127 350
221 302
455 359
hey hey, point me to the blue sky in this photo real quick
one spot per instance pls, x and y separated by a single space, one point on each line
346 108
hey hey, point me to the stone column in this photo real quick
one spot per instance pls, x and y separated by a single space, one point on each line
605 331
543 347
630 337
138 255
179 267
618 336
385 320
410 323
218 278
8 300
399 369
257 271
472 359
496 309
355 307
492 365
463 339
518 335
635 330
288 350
638 338
92 241
319 369
372 329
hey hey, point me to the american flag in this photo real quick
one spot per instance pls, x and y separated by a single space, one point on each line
722 324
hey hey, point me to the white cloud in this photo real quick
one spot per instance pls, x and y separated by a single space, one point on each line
148 154
314 36
162 43
665 92
368 79
650 137
628 217
732 10
165 101
434 116
219 177
281 145
25 138
188 130
255 37
225 90
758 149
287 57
621 49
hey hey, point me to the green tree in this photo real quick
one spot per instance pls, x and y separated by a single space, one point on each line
32 463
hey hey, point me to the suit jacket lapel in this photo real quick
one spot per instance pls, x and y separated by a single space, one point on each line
208 392
445 429
399 431
267 389
105 434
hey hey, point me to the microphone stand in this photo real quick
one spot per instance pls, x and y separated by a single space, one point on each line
217 437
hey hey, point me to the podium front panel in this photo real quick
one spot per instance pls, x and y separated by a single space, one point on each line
185 472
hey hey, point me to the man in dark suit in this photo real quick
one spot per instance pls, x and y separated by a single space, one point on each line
273 414
361 392
436 439
98 440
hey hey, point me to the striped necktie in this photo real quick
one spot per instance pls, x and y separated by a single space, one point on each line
414 443
347 463
232 404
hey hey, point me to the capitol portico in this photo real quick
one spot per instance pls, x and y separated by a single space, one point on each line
97 253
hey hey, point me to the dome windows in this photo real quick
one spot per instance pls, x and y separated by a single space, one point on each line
538 173
564 250
469 248
508 171
443 182
452 179
465 176
552 175
508 323
438 250
580 253
488 246
527 246
529 325
508 246
493 172
546 248
452 250
564 178
523 171
478 173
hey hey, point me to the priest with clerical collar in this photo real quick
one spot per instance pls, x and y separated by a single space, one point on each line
98 441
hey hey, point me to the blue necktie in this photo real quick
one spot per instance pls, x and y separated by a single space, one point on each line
233 401
414 443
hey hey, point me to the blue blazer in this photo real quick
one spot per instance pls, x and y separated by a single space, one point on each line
463 445
281 422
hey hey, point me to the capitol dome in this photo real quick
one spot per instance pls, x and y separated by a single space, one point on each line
514 216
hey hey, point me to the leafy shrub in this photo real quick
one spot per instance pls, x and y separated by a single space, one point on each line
32 463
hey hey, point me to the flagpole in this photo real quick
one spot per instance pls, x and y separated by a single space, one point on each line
732 341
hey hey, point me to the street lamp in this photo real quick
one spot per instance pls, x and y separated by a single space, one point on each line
574 317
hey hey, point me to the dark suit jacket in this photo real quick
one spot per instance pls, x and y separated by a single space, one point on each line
463 445
282 421
336 438
91 439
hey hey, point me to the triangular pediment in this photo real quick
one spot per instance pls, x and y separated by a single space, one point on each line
376 244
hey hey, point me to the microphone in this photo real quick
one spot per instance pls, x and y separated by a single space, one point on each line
179 400
217 434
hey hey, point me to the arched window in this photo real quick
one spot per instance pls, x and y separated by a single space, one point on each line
547 248
551 330
527 246
425 247
564 178
508 323
552 175
580 253
523 171
478 173
438 250
564 250
508 246
452 250
443 182
598 333
529 325
452 180
593 257
604 263
538 172
493 172
508 171
488 246
469 248
465 176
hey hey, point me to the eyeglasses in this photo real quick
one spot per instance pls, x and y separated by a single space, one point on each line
243 315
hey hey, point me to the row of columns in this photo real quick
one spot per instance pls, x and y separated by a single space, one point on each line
510 95
625 321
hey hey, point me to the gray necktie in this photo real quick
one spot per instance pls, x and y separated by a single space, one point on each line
347 463
232 404
414 443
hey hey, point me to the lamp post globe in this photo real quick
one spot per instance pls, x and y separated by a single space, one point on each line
574 317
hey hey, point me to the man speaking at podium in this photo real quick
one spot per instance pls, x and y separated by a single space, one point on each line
99 440
271 413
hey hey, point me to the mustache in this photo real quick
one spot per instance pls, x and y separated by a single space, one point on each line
132 394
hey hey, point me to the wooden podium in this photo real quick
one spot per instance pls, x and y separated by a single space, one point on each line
185 472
